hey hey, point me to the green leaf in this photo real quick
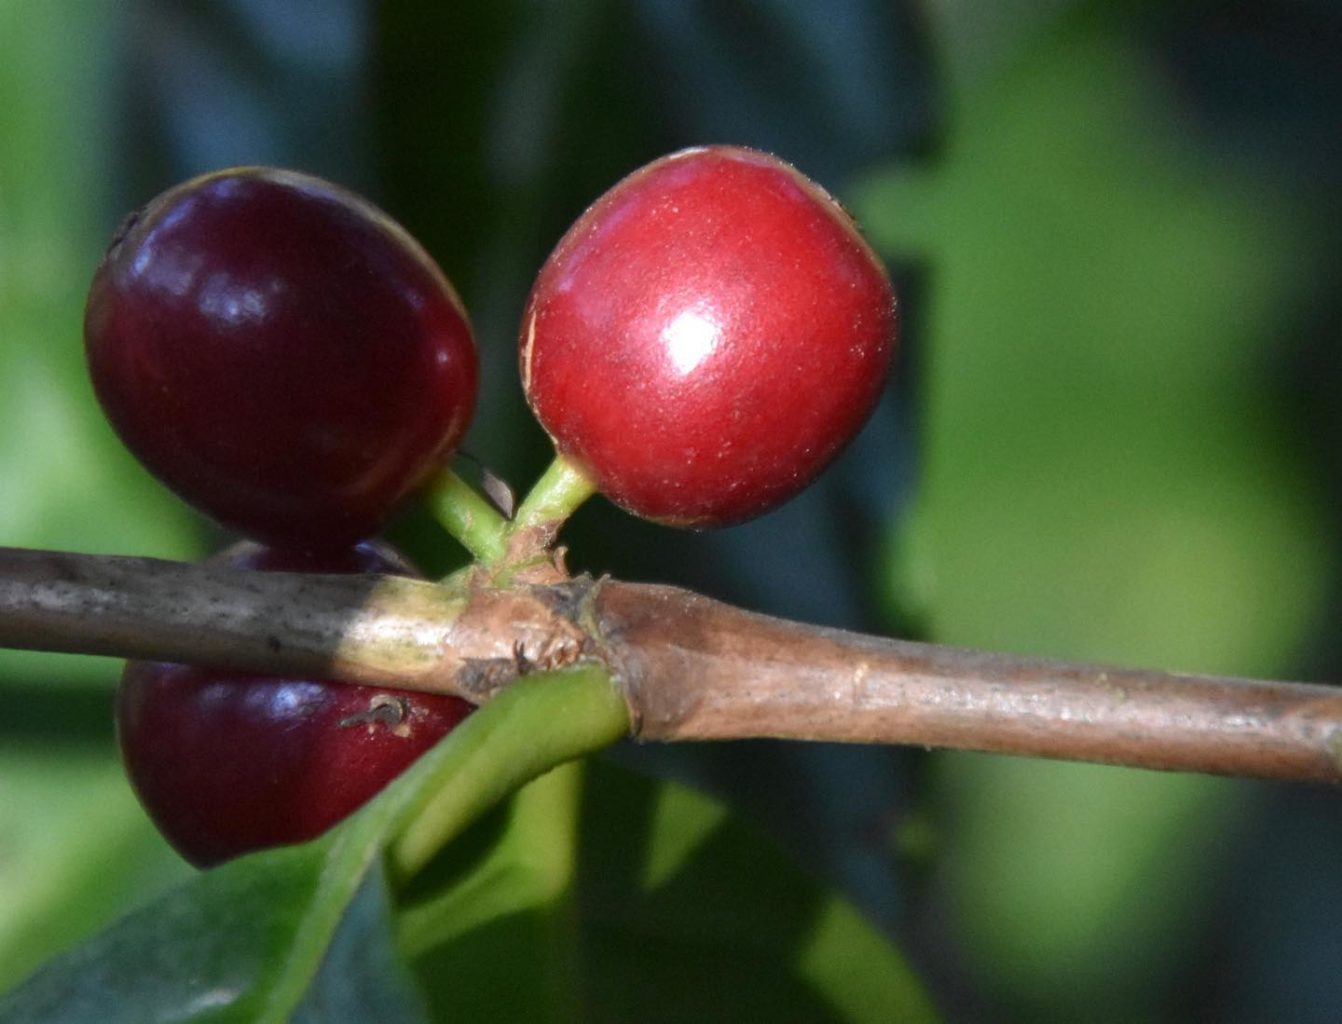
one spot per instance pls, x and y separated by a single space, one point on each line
1108 476
1079 878
656 905
496 937
691 914
253 940
75 850
1104 308
363 976
65 480
199 953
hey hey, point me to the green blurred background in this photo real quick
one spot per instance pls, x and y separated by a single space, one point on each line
1114 433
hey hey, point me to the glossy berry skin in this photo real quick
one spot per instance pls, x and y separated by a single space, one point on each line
707 337
279 353
226 763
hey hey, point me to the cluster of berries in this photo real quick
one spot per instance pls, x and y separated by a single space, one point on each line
700 345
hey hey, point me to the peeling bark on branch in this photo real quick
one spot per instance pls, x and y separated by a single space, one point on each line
690 668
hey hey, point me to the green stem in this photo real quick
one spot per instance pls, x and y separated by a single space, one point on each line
557 494
532 726
468 517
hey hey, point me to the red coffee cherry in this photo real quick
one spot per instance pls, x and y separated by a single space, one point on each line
707 337
226 762
280 353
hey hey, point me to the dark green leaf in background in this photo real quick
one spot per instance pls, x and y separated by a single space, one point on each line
74 846
1107 476
690 914
656 904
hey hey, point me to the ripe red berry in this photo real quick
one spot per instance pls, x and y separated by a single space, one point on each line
279 353
226 762
708 336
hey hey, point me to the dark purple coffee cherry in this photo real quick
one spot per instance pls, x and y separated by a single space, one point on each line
230 762
280 353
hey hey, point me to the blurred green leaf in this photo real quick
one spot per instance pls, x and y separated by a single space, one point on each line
658 905
495 127
1105 307
976 42
1107 476
65 481
75 849
690 914
1074 879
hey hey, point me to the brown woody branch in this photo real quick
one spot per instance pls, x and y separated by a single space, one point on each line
690 668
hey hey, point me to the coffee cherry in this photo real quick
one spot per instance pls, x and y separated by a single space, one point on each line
707 337
279 353
230 762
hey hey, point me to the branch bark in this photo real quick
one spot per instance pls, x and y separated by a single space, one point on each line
689 667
